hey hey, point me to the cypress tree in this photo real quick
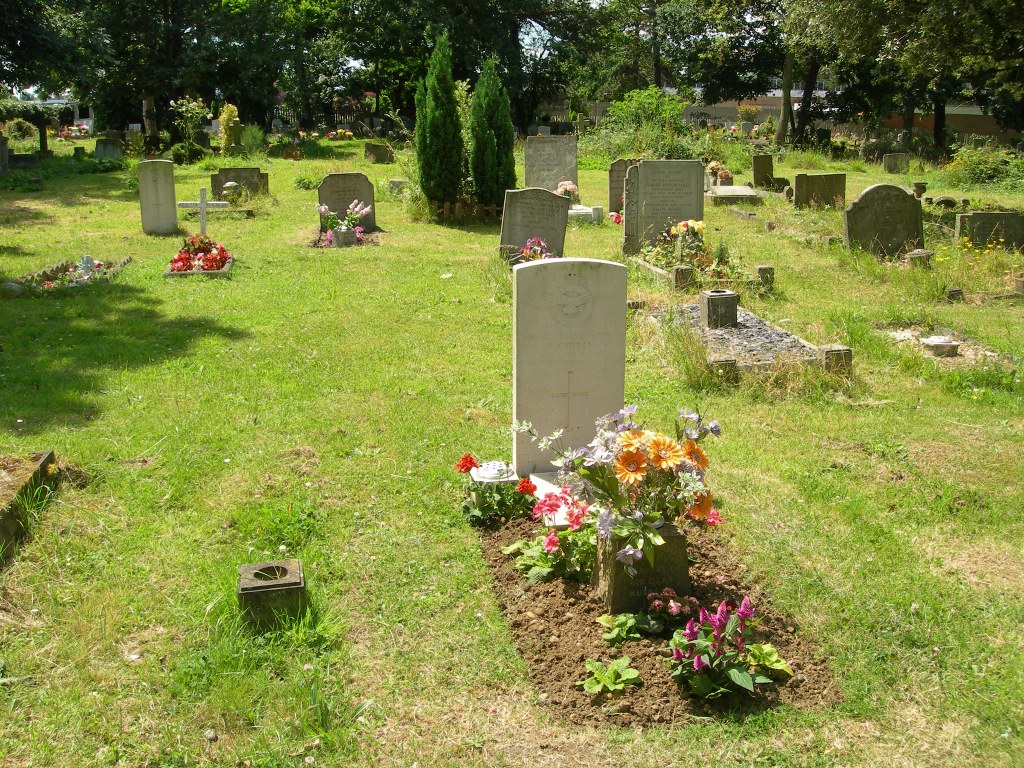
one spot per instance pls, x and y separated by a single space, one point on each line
491 158
439 147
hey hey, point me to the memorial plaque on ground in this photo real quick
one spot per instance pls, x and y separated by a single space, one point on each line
616 178
549 160
569 352
987 227
667 191
764 170
252 180
884 220
156 197
898 162
338 190
533 213
821 189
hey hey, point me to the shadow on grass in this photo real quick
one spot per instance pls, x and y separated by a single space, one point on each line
55 351
12 215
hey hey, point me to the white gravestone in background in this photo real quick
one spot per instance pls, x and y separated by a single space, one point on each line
156 197
568 352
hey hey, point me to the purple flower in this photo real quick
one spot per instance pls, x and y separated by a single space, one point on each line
677 654
624 413
714 428
689 415
691 631
699 665
746 610
703 617
604 523
629 555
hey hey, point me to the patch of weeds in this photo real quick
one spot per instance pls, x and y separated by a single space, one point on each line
269 526
499 275
889 451
796 379
689 356
858 332
978 380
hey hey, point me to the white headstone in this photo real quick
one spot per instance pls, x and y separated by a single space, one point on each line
568 350
549 160
532 213
156 197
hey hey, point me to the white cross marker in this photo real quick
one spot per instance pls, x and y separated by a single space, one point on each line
202 205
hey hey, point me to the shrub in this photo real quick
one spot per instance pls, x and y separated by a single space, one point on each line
21 130
983 165
253 140
748 113
186 154
438 134
492 162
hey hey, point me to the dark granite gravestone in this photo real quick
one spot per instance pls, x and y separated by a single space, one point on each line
987 227
252 180
884 220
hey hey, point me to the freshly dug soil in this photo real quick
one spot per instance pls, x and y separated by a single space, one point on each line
556 630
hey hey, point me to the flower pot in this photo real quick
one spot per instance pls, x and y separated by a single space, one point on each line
919 188
628 594
344 237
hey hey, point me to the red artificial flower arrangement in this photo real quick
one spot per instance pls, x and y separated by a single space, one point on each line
200 253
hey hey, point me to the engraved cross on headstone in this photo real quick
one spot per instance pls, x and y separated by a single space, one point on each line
569 395
202 205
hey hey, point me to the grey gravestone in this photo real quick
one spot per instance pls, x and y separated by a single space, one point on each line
203 139
985 227
156 197
544 130
568 352
884 220
667 191
823 189
378 153
109 149
898 162
730 195
338 190
764 170
252 180
746 128
628 594
233 137
549 160
616 178
630 211
533 213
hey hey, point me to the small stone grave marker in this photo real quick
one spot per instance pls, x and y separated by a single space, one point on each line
897 162
549 160
252 180
156 197
533 213
269 592
378 153
109 149
884 220
764 170
732 195
338 190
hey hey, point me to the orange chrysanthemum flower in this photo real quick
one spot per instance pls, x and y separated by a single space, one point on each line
631 466
695 455
701 506
633 439
666 453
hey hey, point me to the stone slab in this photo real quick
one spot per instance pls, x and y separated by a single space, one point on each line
616 180
30 474
884 220
549 160
820 189
733 195
531 213
985 227
156 197
898 162
568 350
252 180
338 190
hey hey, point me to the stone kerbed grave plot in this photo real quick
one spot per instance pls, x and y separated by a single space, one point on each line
555 627
686 278
949 349
753 343
20 475
64 277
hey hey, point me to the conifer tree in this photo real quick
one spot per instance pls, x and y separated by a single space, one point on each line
491 158
438 133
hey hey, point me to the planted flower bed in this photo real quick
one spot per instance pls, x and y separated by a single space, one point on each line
603 643
200 255
66 276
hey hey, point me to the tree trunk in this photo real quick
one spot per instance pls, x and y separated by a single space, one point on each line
939 131
810 78
908 122
150 124
305 104
656 68
786 116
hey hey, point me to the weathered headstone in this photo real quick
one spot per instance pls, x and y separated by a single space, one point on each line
569 352
252 180
378 153
549 160
338 190
823 189
543 130
233 137
731 195
987 227
764 170
616 178
533 213
630 210
667 191
156 197
109 149
746 128
898 162
884 220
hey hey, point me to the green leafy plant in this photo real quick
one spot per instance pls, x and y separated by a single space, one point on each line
628 626
253 141
610 679
567 554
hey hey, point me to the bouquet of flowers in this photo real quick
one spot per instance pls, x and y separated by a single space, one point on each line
570 190
355 213
534 250
200 254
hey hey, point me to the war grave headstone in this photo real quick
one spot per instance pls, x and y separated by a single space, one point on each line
532 213
987 227
616 178
338 190
252 180
109 149
884 220
821 189
549 160
666 191
898 162
156 197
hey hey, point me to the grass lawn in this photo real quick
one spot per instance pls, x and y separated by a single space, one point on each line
313 406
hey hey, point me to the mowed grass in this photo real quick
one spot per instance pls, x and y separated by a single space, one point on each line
313 405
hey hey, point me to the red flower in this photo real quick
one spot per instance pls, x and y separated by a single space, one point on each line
551 542
526 486
466 463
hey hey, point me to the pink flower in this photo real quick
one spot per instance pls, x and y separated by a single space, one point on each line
674 608
551 542
691 631
699 665
713 517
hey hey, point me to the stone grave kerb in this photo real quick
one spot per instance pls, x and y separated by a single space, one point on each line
568 352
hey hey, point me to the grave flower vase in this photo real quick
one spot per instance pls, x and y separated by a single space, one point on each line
628 594
344 237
